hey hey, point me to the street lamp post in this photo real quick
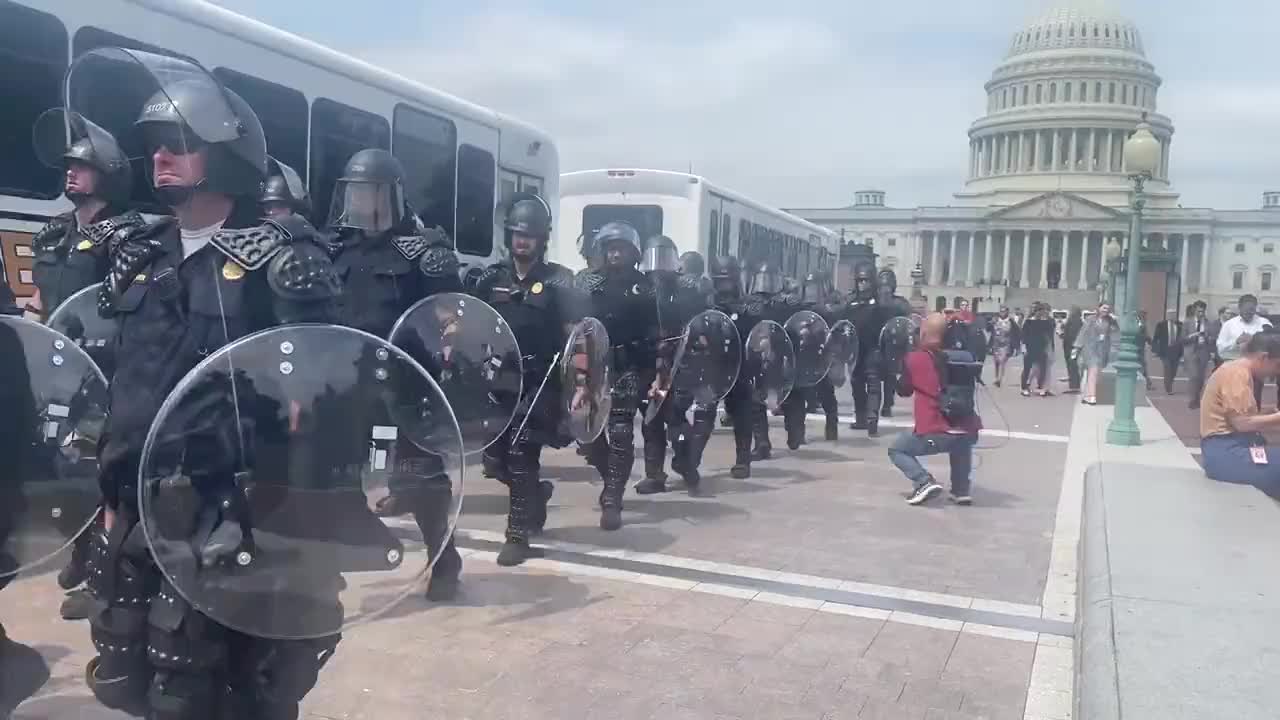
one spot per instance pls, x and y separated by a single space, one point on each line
1141 156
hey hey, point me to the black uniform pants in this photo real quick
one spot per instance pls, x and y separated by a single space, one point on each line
890 391
825 393
704 423
160 657
794 410
670 424
738 404
1199 365
421 480
516 460
866 385
613 454
1171 362
1073 368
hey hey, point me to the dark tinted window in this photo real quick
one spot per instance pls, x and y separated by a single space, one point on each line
33 59
118 106
725 228
476 174
282 111
337 132
713 237
646 219
427 145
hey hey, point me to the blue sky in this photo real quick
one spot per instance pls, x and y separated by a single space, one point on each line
801 103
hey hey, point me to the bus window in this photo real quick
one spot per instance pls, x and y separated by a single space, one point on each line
725 227
31 69
646 219
531 184
713 237
745 235
282 111
427 145
337 132
476 172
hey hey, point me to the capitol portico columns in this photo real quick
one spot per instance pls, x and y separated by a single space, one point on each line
1044 260
1082 283
986 258
951 259
1005 236
1204 264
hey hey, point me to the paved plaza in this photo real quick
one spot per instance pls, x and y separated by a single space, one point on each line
810 590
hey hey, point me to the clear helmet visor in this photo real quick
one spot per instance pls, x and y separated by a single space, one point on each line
369 206
660 258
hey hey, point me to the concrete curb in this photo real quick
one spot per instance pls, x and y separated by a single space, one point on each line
1097 688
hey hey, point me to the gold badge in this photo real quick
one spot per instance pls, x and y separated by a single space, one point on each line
84 245
232 271
536 289
140 278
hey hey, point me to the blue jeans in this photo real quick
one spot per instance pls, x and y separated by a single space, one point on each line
1227 459
907 447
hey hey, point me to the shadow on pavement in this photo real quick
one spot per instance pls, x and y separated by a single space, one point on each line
549 594
24 670
66 706
633 535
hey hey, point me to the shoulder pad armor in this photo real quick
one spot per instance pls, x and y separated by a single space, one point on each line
438 261
133 248
690 284
410 246
113 229
558 275
491 275
253 247
48 237
589 281
754 307
303 272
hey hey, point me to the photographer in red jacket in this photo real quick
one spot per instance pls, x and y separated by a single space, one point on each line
943 382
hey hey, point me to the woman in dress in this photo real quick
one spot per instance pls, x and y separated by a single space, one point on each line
1093 350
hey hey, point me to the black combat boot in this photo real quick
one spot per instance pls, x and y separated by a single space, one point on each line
651 486
833 429
515 551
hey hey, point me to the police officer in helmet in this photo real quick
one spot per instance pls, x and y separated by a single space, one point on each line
534 296
726 275
283 193
71 249
623 299
694 265
389 264
869 317
892 305
679 299
230 274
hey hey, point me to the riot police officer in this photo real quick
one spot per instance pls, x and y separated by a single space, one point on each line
283 193
769 304
892 305
180 288
726 274
534 296
679 298
386 266
71 250
816 296
869 317
695 266
623 299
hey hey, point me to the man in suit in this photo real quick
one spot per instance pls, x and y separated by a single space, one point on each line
1199 340
1167 345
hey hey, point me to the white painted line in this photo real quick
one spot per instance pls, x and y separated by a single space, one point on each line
907 424
725 590
907 618
1000 632
751 573
787 600
854 611
1006 608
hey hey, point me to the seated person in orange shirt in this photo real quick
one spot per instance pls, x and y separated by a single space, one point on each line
1231 425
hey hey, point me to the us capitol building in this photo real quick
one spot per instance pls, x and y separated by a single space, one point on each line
1047 191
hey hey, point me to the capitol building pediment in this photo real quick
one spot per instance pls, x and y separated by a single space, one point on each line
1056 206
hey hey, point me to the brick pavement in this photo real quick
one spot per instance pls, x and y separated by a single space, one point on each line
561 639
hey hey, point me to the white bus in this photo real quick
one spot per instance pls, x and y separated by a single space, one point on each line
317 106
694 212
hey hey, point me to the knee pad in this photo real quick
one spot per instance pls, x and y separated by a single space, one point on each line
126 691
273 676
181 640
176 695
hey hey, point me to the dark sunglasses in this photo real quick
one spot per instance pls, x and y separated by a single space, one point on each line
174 140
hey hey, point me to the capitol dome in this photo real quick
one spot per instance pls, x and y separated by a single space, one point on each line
1073 85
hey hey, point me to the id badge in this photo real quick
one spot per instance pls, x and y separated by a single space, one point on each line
1258 455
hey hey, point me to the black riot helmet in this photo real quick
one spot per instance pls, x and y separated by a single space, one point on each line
813 289
528 214
370 194
887 280
284 187
660 255
615 233
726 275
235 167
61 138
693 264
763 280
790 286
864 281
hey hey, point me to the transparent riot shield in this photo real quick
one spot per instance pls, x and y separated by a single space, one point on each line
841 352
472 354
260 472
585 379
897 338
809 334
53 401
769 362
706 363
78 318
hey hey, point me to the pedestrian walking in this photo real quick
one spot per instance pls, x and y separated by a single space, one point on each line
1093 349
1070 330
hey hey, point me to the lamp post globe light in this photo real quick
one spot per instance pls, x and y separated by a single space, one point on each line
1142 158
